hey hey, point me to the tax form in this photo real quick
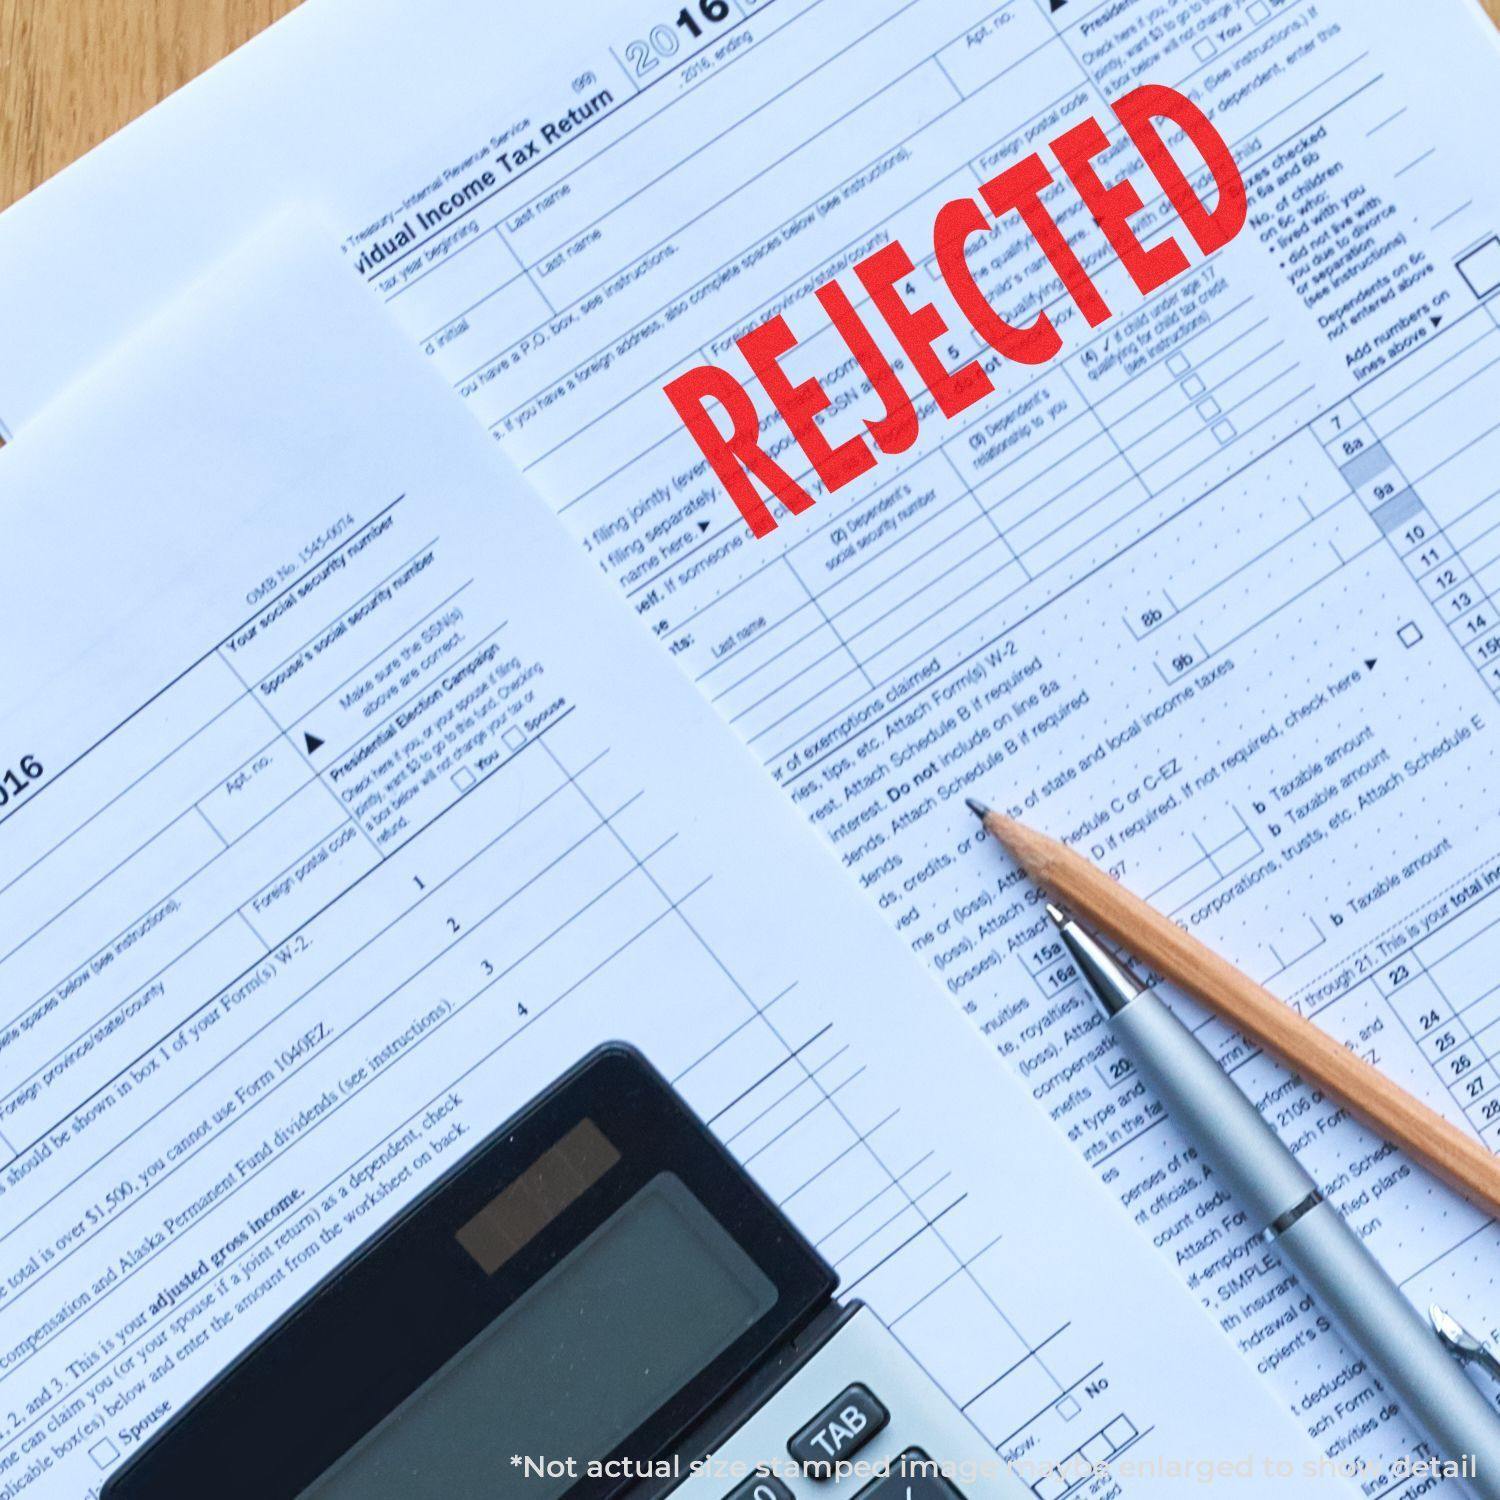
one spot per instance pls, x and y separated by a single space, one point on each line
355 810
1211 594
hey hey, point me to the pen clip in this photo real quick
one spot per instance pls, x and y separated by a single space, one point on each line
1462 1344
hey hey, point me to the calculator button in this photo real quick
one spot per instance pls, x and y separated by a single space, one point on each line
760 1487
913 1476
845 1425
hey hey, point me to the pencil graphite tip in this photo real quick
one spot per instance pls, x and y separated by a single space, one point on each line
979 810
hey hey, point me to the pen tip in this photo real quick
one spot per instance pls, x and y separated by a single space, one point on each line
1058 915
979 810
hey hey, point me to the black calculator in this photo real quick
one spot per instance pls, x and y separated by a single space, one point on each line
597 1301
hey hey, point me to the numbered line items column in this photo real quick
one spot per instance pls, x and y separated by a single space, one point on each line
1435 420
1462 1045
1433 1022
1400 512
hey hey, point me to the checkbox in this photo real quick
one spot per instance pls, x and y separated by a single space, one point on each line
1068 1408
1120 1431
1409 634
104 1453
514 737
1481 268
1258 12
1097 1449
1210 409
1194 386
1178 364
1205 48
1225 432
463 778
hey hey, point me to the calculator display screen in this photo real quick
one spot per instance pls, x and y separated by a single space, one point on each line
624 1320
591 1283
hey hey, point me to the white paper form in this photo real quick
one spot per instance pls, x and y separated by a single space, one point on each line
1135 593
355 810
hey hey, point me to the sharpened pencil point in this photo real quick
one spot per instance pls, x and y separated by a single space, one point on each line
979 810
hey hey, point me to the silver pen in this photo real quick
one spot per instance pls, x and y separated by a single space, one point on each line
1267 1181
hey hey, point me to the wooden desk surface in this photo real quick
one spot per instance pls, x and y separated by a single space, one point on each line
73 71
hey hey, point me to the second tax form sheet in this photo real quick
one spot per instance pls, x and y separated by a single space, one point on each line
348 812
1210 594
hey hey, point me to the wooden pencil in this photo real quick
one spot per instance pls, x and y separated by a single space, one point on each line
1140 930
